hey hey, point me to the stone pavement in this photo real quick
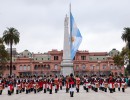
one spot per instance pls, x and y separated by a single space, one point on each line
61 95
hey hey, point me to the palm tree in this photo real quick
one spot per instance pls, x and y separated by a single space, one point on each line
126 36
10 37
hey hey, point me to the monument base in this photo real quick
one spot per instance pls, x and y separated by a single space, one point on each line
67 67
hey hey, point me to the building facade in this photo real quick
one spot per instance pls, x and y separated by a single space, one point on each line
85 62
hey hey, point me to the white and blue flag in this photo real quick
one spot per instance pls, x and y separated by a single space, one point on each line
76 37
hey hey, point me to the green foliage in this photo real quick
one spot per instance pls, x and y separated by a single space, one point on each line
126 36
10 37
118 60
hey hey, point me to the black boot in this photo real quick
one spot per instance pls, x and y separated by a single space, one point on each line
17 91
0 92
86 89
118 89
72 94
123 89
44 90
34 91
50 91
55 90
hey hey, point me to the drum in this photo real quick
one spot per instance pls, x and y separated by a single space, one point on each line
97 85
116 85
106 85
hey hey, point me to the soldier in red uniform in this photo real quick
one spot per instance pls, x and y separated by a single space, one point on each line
77 83
67 84
56 83
71 85
50 82
118 83
1 85
123 84
111 84
45 84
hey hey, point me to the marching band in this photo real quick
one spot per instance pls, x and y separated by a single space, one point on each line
72 83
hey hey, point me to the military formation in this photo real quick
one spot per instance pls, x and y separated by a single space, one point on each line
53 84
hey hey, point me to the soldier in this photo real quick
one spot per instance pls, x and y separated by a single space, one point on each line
56 83
45 84
105 84
67 84
111 84
123 84
71 85
10 88
1 85
18 86
60 82
87 83
27 86
77 83
50 82
34 87
96 84
118 83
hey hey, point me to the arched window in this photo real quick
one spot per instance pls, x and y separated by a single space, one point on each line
111 66
56 67
25 67
21 67
14 67
28 67
35 67
7 67
104 67
77 67
83 66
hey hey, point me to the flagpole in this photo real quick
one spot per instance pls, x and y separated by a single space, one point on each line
70 30
71 36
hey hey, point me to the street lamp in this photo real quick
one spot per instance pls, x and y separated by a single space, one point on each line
99 66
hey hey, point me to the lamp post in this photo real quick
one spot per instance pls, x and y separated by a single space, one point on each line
99 66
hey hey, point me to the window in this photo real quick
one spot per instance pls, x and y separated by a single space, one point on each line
92 67
14 67
97 67
111 67
7 67
28 67
56 67
55 57
21 68
35 67
104 67
77 67
83 57
83 67
25 68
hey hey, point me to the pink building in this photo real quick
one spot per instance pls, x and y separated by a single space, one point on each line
85 62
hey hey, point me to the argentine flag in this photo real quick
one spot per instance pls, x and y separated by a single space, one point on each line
76 37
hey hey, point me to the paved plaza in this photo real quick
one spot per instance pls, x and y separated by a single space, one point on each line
61 95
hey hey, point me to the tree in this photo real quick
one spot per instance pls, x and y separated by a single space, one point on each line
3 56
118 60
10 37
126 36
